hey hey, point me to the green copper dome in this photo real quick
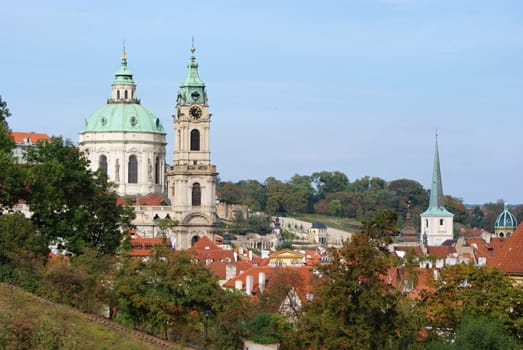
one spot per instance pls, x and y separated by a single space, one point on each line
123 112
506 220
131 117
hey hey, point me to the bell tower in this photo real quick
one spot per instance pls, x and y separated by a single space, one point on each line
192 178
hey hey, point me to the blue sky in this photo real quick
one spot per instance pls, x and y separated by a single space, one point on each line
294 87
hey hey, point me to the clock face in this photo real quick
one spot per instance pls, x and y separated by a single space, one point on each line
195 112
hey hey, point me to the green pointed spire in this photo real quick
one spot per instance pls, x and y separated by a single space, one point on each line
437 200
192 89
123 75
436 192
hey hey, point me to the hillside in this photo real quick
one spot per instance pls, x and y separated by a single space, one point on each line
28 322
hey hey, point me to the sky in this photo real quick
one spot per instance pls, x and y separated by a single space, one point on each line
295 87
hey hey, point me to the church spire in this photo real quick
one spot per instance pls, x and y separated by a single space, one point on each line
192 88
436 192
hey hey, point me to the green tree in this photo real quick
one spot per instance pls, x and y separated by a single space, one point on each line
166 294
382 225
302 194
278 196
71 202
470 290
477 217
335 208
329 182
6 142
11 174
23 251
254 195
367 316
477 332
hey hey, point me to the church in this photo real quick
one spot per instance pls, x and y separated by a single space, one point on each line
127 141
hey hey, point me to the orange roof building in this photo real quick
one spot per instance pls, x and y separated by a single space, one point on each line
25 140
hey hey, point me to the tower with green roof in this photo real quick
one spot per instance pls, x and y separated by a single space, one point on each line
192 178
126 140
437 223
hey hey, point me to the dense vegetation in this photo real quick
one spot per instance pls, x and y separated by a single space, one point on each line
331 193
172 296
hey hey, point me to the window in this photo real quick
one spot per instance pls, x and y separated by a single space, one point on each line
125 93
196 195
102 163
426 223
132 170
441 222
157 170
195 140
118 94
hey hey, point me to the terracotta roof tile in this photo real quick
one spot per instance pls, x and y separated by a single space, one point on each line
510 258
33 137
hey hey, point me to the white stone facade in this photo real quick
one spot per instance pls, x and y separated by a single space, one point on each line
117 147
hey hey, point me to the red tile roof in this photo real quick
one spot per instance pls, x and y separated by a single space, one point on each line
510 258
33 137
440 251
143 246
275 275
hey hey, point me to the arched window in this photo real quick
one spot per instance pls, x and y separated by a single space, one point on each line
132 170
157 170
102 163
196 195
125 93
118 94
194 240
195 140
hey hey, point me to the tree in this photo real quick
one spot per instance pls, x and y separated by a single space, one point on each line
329 182
69 201
382 225
302 194
166 294
470 290
477 217
353 308
6 142
11 174
477 332
23 251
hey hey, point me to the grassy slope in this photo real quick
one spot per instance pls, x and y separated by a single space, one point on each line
344 224
76 330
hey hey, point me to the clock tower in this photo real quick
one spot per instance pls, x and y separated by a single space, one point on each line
192 178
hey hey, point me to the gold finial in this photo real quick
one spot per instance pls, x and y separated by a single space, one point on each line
124 55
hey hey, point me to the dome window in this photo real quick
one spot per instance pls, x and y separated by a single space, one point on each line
134 121
132 170
157 123
103 121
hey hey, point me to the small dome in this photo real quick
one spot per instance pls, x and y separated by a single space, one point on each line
319 225
130 117
506 220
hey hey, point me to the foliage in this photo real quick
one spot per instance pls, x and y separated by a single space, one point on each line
69 201
6 142
166 294
11 174
382 225
23 251
468 289
477 332
368 316
267 328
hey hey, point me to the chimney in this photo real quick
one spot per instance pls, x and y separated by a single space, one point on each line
261 281
248 285
238 285
230 271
